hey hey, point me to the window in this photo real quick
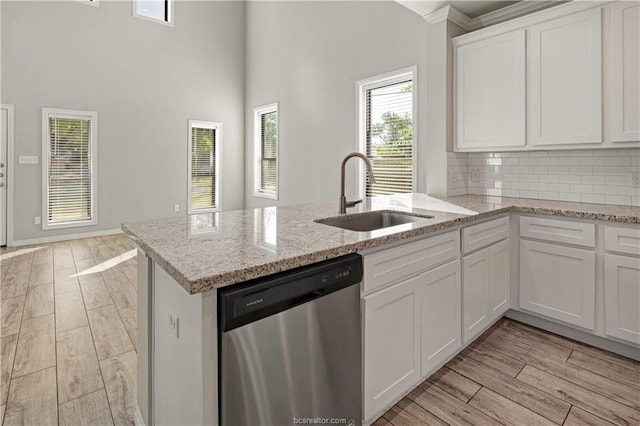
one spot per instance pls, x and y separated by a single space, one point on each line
387 134
204 166
154 10
266 148
69 144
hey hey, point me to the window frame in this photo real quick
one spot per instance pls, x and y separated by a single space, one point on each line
217 126
170 13
93 157
258 191
381 80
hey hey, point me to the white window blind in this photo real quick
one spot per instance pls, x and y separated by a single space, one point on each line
204 140
69 168
389 135
267 151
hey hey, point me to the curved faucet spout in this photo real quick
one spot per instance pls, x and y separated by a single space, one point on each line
343 200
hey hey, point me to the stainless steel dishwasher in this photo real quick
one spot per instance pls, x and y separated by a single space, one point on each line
290 347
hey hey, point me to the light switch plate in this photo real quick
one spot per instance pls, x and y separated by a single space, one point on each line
27 159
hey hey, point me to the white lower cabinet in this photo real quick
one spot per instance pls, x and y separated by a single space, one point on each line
485 289
391 344
622 297
558 282
439 292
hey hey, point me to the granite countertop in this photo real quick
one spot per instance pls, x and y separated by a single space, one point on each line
211 250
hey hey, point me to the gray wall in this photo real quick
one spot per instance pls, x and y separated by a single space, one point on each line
144 79
308 56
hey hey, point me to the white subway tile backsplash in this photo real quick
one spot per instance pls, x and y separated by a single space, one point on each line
590 176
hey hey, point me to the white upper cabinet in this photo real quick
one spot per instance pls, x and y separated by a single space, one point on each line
491 92
624 71
565 80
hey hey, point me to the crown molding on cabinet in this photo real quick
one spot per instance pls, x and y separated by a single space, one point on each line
515 10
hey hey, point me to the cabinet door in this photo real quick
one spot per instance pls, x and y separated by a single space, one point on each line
475 294
624 69
558 282
622 297
440 315
565 80
490 95
498 279
391 345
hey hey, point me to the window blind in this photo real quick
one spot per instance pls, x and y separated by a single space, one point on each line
268 151
69 191
203 168
389 137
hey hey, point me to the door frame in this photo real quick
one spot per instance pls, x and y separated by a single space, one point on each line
10 163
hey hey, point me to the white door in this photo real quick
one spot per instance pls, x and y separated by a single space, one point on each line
565 80
440 315
622 297
558 282
624 70
490 88
391 345
498 279
5 122
475 294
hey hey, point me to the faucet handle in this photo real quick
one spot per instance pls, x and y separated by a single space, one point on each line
352 203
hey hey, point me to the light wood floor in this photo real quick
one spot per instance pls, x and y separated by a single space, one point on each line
68 333
519 375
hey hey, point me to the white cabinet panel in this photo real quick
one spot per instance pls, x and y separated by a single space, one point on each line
623 240
440 315
624 71
484 234
560 231
558 282
391 344
498 279
491 92
565 80
622 297
475 294
391 265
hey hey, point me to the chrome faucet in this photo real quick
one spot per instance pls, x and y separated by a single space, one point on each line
344 204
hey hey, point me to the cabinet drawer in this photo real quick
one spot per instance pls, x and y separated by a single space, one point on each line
622 240
560 231
391 265
477 236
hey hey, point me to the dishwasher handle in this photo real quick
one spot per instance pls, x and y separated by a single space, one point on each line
248 302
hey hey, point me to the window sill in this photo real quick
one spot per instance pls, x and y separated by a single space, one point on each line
64 225
268 195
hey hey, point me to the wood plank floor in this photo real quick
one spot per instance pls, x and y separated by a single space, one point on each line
515 374
67 355
68 330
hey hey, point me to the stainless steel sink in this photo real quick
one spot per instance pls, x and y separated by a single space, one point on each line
370 221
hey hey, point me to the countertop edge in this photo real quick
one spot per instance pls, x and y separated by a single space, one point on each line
201 285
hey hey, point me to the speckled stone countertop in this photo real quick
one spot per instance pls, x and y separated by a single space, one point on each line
212 250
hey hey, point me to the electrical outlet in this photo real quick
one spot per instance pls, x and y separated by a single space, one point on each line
36 220
453 178
176 208
635 179
174 324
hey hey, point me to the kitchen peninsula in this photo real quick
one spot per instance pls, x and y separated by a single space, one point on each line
184 261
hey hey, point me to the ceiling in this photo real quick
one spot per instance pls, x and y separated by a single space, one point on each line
471 8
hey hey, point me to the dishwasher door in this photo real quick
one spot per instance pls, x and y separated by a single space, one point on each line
301 363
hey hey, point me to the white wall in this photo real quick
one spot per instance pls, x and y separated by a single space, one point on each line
144 79
308 56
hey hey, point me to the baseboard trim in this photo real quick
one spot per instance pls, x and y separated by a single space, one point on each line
137 417
66 237
579 335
